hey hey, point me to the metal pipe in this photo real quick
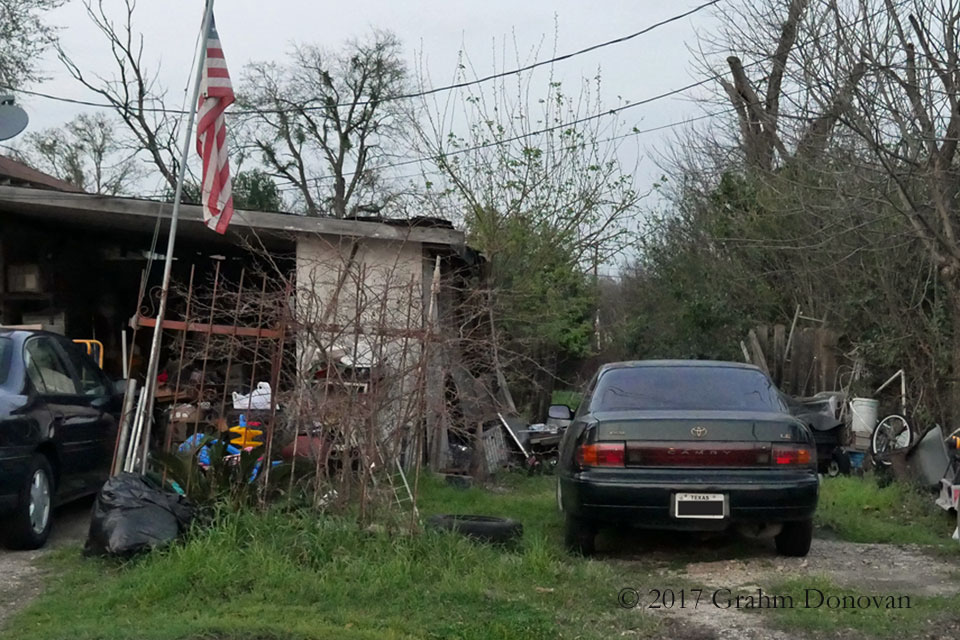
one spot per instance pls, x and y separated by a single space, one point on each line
123 437
887 383
145 408
123 354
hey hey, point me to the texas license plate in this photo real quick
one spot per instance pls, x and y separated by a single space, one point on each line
700 505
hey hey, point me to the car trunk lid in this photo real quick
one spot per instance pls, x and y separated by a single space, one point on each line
703 439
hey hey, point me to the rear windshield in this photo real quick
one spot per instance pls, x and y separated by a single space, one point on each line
6 352
685 388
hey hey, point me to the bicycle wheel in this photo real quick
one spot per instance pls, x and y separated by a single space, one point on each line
892 433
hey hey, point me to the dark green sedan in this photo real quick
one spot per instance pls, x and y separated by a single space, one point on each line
686 445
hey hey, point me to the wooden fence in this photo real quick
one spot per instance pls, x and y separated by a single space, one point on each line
808 367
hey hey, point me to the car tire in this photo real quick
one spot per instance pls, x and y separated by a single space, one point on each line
29 526
839 464
482 528
795 538
579 536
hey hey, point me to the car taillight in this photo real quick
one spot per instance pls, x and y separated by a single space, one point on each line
601 455
791 455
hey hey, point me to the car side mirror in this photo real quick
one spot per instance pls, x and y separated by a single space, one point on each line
560 412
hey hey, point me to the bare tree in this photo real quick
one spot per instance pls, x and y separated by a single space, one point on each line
132 89
85 152
324 121
23 38
539 182
781 117
907 120
835 185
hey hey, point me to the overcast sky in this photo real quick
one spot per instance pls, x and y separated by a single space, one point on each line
265 30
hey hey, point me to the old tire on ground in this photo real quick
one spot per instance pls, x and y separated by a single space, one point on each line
29 525
795 538
579 535
482 528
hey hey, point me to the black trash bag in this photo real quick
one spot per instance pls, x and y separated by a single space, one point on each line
133 514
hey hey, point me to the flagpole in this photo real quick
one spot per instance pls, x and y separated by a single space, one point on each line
145 406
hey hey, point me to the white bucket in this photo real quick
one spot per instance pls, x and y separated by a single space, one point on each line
863 413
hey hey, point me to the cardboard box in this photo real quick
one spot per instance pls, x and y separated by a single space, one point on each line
24 278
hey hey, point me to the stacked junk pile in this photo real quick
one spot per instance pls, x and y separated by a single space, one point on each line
339 393
817 382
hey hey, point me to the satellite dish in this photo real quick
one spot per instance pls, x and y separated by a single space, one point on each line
13 119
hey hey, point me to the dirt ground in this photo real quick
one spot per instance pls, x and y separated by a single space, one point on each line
745 565
21 577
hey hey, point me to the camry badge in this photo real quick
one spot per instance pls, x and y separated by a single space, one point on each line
699 432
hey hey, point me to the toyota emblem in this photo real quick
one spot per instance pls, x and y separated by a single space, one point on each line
699 432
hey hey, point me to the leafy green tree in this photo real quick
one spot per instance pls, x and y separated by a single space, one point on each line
253 190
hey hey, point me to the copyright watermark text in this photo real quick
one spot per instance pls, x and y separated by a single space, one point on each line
723 598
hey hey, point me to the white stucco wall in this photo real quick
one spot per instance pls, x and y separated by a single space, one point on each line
382 287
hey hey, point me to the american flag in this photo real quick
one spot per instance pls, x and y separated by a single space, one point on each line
216 94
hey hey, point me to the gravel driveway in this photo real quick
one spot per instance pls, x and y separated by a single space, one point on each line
744 566
21 575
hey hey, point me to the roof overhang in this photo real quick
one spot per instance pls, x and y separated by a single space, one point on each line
132 214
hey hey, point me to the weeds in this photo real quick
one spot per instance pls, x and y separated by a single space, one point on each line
858 510
297 575
901 621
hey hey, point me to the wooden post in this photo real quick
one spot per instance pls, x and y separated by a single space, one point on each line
756 351
779 346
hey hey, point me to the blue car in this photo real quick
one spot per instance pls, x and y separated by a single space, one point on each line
58 423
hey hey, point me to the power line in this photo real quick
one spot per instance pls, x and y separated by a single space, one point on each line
608 112
633 133
402 96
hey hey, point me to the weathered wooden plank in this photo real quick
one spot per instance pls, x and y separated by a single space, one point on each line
199 327
828 359
779 346
763 335
805 361
756 351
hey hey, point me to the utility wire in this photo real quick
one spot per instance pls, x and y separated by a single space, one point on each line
402 96
602 114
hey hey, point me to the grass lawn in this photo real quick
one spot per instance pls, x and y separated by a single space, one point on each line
858 510
298 576
284 575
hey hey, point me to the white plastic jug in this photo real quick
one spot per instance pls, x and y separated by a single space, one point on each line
259 398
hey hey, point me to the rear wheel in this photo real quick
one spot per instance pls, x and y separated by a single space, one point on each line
29 527
839 463
795 538
580 535
891 434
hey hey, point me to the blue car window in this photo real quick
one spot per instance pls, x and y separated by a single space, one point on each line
47 371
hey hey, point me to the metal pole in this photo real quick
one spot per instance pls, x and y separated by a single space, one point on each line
150 383
123 351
